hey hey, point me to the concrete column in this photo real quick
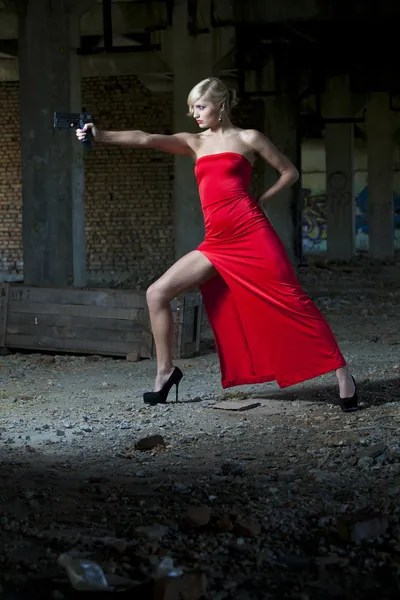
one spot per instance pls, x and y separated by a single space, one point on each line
77 167
52 166
339 142
280 127
340 207
192 59
380 176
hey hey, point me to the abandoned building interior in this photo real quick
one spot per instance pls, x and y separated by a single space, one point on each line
303 74
83 232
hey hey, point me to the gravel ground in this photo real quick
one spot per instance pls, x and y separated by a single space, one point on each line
288 499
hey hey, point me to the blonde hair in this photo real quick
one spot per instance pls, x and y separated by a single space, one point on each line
217 91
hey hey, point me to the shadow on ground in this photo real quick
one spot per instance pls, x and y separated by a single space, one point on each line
371 392
50 507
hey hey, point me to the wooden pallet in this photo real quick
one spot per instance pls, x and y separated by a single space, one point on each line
187 311
109 322
101 321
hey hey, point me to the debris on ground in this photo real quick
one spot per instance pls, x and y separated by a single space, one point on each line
287 499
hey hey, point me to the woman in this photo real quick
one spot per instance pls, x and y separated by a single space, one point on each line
265 327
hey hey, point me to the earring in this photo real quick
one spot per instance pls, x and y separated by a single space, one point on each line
220 117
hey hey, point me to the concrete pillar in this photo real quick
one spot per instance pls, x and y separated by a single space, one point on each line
380 176
52 165
339 143
77 168
340 207
192 60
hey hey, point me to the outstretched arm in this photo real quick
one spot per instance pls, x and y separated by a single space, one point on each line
270 153
179 143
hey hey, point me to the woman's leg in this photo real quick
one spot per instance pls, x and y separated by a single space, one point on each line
189 271
346 383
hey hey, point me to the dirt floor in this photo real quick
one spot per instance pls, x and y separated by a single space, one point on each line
290 498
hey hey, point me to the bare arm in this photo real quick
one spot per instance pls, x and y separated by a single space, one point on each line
179 143
270 153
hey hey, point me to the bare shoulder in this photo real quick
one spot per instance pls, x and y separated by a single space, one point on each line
184 136
264 147
192 140
177 143
254 139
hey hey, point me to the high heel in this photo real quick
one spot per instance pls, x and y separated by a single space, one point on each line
350 404
161 396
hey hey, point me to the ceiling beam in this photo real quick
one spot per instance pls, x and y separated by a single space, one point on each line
103 65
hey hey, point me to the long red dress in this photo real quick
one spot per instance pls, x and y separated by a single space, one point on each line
265 327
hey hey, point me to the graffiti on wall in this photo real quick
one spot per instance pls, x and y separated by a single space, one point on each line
314 226
314 221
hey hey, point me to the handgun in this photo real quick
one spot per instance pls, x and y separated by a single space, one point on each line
77 121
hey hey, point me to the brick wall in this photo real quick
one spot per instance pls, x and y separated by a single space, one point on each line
129 210
128 191
10 179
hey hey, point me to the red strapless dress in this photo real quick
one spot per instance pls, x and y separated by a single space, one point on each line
265 327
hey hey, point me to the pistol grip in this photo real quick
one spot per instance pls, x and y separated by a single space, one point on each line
87 142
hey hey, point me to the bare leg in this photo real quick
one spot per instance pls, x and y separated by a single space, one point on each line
346 383
189 271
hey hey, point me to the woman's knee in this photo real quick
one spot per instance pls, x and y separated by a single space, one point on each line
156 296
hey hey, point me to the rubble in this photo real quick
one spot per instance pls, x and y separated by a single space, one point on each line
291 499
236 406
148 443
198 516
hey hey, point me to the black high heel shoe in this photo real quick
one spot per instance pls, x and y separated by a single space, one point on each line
350 404
161 396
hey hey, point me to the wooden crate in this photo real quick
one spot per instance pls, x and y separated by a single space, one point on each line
187 314
187 310
102 321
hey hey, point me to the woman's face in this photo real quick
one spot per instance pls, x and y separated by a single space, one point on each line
205 112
